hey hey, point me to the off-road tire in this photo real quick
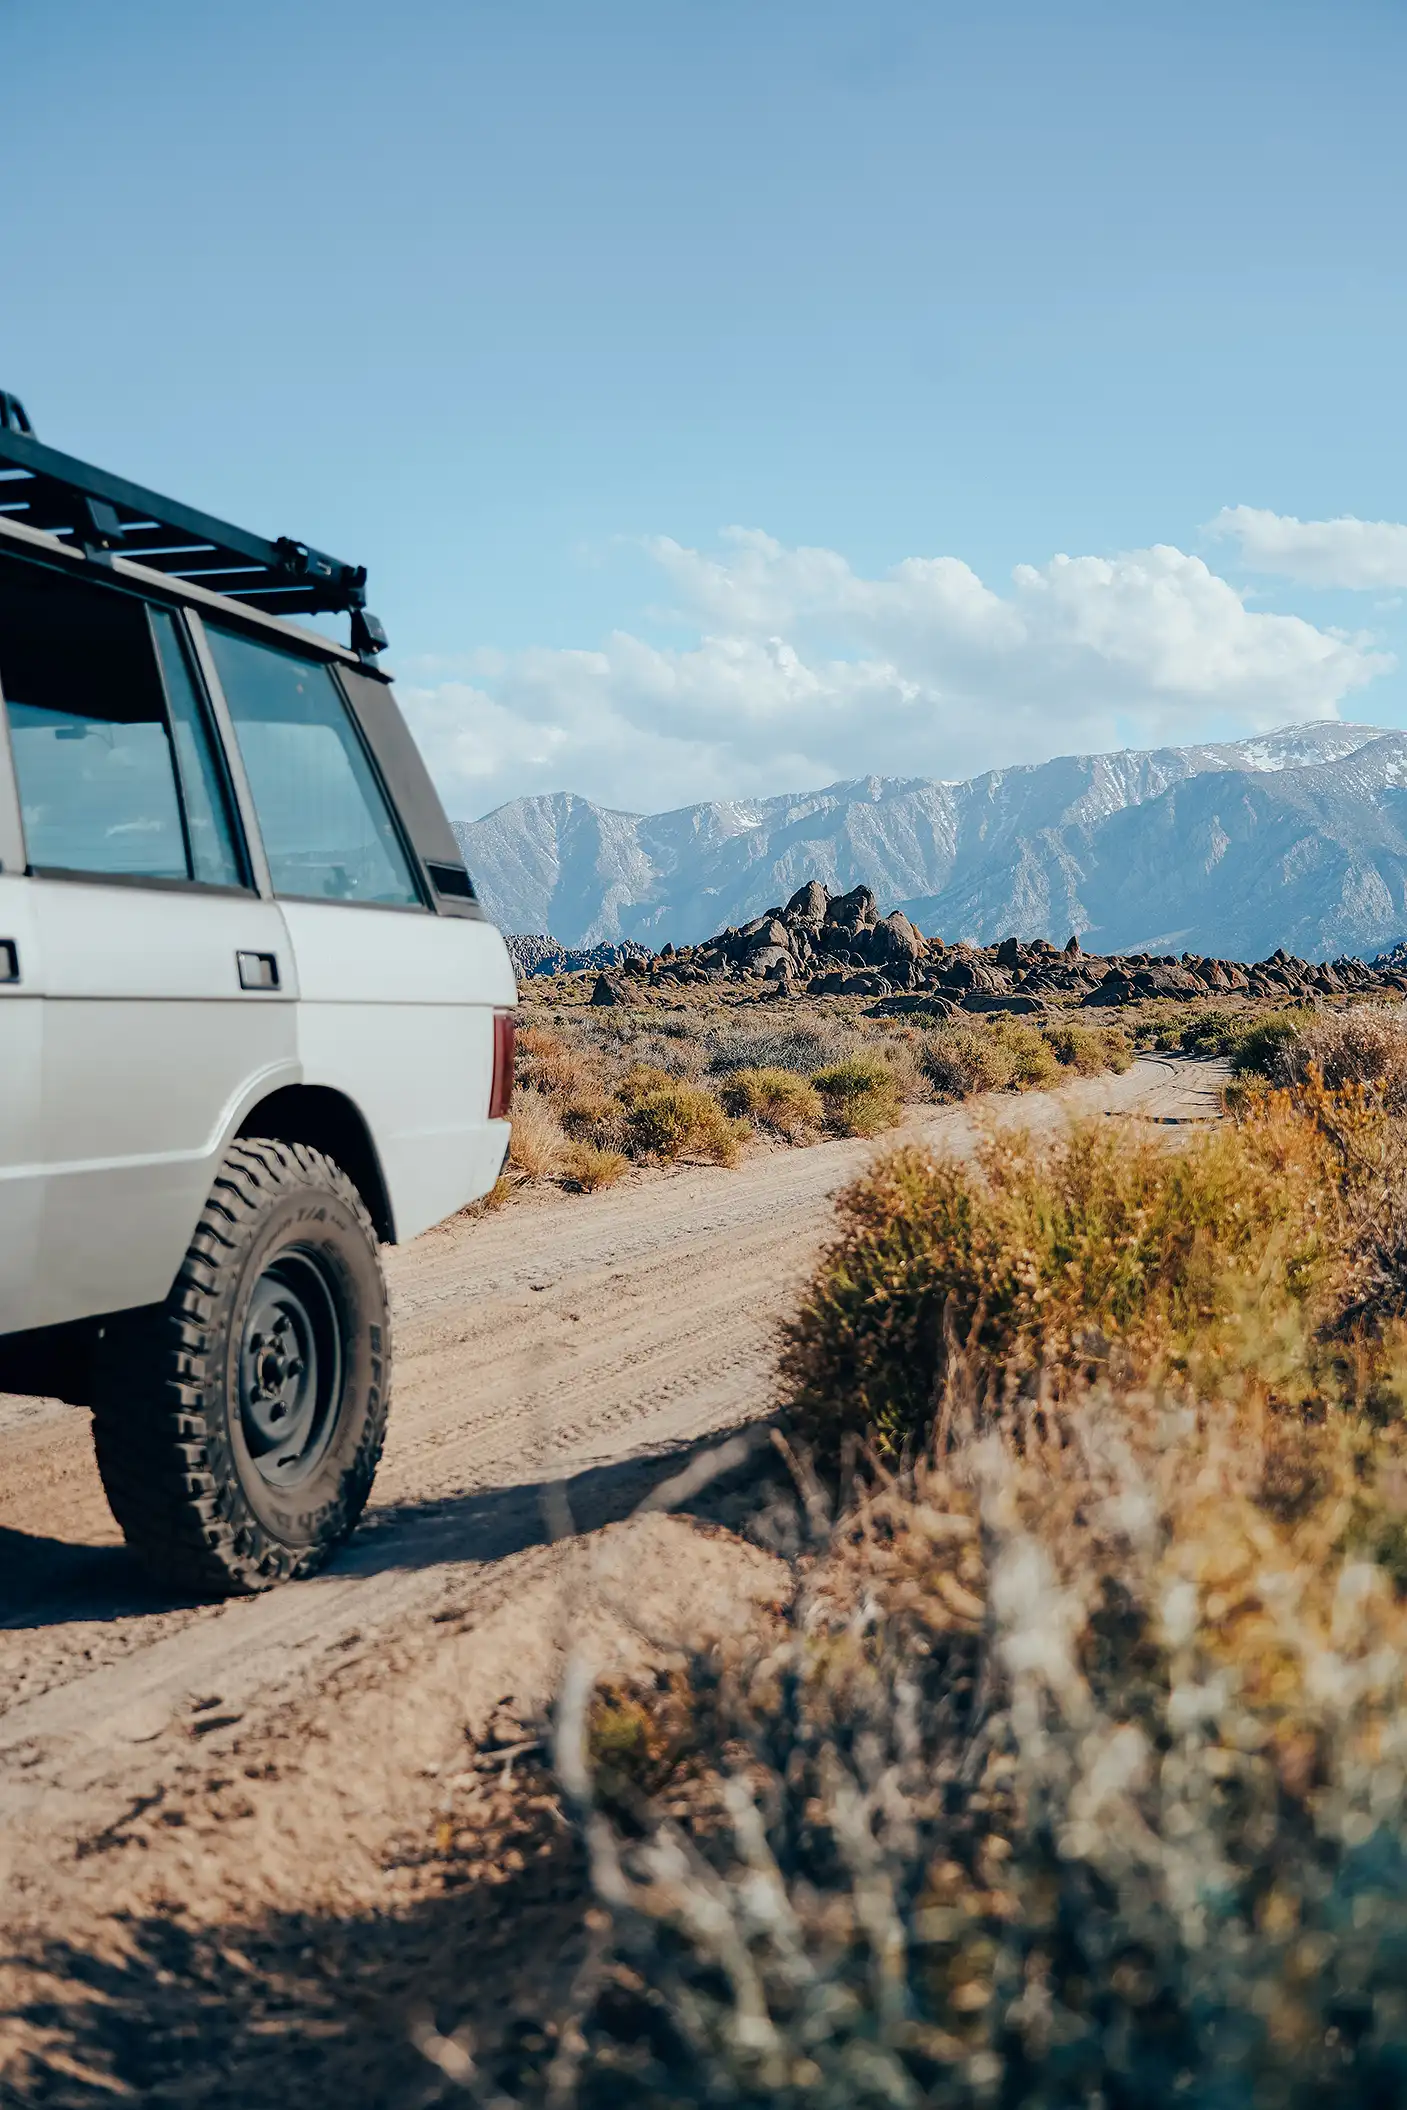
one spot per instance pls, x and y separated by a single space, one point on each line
171 1443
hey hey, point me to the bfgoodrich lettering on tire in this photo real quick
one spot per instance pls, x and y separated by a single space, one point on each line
238 1426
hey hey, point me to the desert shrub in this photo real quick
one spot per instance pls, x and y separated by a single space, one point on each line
665 1117
1088 1050
586 1166
859 1094
903 1056
1255 1048
537 1141
1074 1776
547 1062
1046 1257
960 1058
591 1113
1209 1032
802 1048
1033 1062
775 1099
1366 1045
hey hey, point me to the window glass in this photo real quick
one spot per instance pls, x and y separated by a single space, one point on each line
327 832
88 728
215 859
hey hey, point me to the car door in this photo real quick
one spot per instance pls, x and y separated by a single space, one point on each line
396 1002
21 1174
168 982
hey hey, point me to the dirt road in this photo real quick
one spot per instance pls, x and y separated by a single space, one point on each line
570 1340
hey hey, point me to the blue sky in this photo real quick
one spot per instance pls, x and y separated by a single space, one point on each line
527 305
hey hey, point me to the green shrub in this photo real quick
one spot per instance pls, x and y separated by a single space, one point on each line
1210 1032
1257 1047
1088 1050
859 1094
1033 1063
774 1098
1049 1256
960 1059
667 1117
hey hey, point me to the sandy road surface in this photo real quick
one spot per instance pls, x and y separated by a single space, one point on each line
583 1338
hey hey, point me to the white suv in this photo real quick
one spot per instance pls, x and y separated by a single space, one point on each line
253 1023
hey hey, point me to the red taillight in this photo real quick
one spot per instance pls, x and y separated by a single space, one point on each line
505 1034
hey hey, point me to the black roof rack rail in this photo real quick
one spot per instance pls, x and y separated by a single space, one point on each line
106 514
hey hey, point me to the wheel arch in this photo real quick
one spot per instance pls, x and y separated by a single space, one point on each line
326 1120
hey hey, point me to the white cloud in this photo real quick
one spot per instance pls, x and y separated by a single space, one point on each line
1345 552
801 671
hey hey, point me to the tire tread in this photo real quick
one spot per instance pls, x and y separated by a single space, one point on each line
152 1423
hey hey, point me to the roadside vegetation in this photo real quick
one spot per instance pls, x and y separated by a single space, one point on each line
1075 1769
597 1093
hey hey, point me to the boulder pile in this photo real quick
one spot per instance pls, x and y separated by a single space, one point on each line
824 944
534 953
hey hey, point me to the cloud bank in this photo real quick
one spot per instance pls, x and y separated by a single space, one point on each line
796 670
1358 554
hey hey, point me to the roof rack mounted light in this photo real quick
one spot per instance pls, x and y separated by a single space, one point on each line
105 513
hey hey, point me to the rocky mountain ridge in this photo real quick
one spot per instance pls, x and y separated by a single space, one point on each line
1295 840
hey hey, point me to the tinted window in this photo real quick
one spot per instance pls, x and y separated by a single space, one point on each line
327 831
88 728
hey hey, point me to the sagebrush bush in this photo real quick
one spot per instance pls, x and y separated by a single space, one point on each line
666 1117
1088 1050
586 1166
775 1099
1046 1257
1076 1775
960 1058
802 1048
859 1094
1209 1032
549 1063
1365 1045
1033 1063
1255 1045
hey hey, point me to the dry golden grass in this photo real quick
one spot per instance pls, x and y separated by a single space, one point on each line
538 1141
587 1167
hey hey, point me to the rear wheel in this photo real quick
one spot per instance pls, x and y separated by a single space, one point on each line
238 1426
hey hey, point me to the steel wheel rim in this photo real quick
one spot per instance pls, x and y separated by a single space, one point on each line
290 1369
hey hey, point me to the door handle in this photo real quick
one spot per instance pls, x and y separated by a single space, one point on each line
257 970
9 960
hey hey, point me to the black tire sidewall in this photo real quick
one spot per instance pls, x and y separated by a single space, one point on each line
316 1219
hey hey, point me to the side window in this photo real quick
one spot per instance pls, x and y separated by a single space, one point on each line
214 857
328 833
99 778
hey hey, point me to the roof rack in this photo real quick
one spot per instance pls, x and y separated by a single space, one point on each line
106 515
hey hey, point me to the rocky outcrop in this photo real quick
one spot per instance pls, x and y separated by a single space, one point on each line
825 944
533 952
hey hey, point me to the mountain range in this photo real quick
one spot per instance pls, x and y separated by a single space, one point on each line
1296 838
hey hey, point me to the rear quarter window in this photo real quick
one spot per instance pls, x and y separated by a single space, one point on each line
328 832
